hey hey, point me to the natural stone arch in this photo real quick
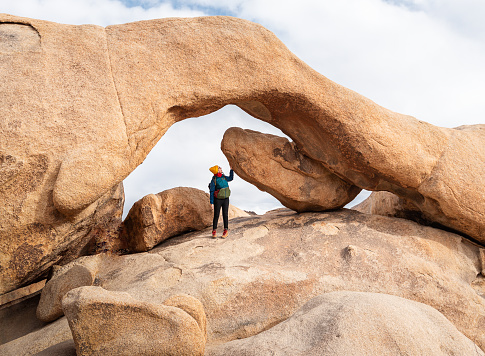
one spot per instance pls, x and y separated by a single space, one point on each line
222 60
96 100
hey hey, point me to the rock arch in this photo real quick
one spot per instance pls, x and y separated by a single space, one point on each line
96 100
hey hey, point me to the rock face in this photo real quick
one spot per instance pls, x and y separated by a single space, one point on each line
389 204
156 217
114 323
349 323
275 165
83 105
271 265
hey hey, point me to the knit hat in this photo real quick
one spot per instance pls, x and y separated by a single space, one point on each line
214 169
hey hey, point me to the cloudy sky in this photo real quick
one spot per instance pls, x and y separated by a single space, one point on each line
418 57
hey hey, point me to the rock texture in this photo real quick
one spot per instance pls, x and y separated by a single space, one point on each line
115 323
355 323
156 217
83 105
52 334
389 204
271 265
275 165
50 306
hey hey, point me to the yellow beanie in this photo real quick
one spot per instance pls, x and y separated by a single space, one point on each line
214 169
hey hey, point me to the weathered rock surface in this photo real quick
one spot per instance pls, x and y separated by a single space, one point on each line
275 165
273 264
115 323
50 304
79 77
156 217
30 344
234 212
356 323
389 204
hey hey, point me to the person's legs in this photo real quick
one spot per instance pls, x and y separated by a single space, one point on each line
225 212
217 210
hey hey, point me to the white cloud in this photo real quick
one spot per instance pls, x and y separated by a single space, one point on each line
98 12
419 57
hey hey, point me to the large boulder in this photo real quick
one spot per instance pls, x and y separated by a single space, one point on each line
356 323
274 263
83 105
156 217
275 165
55 83
115 323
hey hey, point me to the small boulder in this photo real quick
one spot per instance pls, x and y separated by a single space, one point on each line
77 274
114 323
275 165
349 323
157 217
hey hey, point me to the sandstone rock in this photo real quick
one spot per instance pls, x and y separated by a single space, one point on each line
275 165
235 212
66 348
56 173
356 323
52 334
18 318
114 323
51 71
156 217
389 204
272 264
191 306
50 306
21 293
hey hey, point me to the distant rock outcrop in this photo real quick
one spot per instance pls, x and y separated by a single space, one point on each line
114 323
356 323
275 165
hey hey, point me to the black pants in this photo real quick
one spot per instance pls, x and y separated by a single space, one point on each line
218 203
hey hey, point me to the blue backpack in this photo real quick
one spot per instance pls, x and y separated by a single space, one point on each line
222 193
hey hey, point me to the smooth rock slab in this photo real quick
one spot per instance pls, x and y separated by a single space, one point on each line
352 323
114 323
271 265
275 165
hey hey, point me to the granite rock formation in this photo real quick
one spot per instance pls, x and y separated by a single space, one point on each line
389 204
83 105
273 264
114 323
275 165
356 323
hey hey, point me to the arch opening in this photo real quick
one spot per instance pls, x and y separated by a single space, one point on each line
183 155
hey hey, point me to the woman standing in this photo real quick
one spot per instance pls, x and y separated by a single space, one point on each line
219 198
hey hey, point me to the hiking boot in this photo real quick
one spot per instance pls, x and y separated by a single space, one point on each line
214 233
225 234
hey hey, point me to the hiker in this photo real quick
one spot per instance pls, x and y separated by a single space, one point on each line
219 197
